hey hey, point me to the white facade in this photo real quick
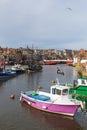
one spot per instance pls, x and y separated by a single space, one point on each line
75 60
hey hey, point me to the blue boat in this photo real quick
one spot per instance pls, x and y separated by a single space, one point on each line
6 75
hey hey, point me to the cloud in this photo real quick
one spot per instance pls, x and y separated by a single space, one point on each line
44 23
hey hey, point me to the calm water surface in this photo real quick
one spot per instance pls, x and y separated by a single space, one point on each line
20 116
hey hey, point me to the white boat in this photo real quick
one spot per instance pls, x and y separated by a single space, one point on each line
58 101
18 68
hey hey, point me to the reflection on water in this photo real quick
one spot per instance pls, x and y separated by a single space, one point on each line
54 121
34 80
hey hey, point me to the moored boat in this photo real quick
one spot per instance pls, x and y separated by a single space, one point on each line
58 101
79 89
70 63
18 68
35 68
79 86
34 64
6 74
50 62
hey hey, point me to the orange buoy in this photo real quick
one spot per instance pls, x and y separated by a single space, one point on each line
12 96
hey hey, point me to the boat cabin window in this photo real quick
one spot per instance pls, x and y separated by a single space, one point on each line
56 91
65 92
53 90
83 82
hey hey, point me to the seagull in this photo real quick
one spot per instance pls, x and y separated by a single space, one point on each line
69 9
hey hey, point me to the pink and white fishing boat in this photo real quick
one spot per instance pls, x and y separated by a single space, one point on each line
58 101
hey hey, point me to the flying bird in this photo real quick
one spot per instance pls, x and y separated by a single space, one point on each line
69 9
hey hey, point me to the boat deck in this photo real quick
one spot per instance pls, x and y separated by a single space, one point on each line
39 97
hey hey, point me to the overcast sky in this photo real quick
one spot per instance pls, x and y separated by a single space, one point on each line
45 24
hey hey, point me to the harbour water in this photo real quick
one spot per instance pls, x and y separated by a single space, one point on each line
20 116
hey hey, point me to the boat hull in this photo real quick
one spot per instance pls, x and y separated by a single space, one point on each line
5 76
35 68
49 62
19 71
69 110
